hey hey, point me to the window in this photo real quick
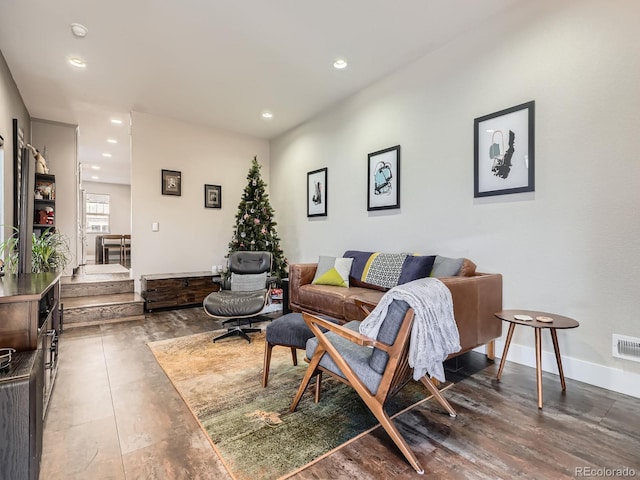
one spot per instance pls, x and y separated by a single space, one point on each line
97 213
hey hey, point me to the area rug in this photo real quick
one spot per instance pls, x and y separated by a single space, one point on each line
251 428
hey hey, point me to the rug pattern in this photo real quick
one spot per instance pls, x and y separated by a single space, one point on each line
251 427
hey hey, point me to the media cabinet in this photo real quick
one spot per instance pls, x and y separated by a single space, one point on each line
174 290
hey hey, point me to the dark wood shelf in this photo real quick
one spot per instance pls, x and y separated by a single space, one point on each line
174 290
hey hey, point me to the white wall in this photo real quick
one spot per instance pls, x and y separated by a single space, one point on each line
60 141
571 247
191 237
120 211
11 106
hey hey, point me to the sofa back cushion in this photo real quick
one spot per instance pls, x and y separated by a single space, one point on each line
358 275
415 267
453 267
382 271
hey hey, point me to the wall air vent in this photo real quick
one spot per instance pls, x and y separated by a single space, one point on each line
626 347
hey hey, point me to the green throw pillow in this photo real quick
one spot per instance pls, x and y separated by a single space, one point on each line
333 271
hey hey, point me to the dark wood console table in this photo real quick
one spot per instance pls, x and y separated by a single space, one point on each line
29 323
173 290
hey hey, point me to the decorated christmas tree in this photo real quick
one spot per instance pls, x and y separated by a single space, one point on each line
255 228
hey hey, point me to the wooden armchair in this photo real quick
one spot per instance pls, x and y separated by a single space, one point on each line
377 373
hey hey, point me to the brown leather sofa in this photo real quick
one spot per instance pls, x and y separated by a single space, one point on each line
476 297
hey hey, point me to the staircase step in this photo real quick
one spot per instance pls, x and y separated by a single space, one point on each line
97 309
72 288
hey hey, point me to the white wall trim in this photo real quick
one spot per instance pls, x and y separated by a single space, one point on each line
614 379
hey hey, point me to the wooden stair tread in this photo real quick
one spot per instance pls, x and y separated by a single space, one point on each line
113 277
101 300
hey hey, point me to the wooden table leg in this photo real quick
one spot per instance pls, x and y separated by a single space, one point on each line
512 327
556 348
539 364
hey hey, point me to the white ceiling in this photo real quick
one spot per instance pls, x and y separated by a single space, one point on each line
218 63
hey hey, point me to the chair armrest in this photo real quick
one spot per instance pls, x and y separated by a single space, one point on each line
350 335
355 337
364 305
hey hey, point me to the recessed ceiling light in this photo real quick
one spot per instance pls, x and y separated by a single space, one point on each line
95 177
267 115
116 121
78 30
112 140
95 167
340 63
77 62
108 155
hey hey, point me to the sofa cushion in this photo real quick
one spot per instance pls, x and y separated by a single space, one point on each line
415 267
446 267
379 271
356 277
327 299
452 267
333 271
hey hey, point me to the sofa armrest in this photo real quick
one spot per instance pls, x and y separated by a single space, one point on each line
300 274
475 300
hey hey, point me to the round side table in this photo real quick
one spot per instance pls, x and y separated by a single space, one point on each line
559 322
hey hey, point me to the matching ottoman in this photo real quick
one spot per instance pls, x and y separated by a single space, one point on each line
291 331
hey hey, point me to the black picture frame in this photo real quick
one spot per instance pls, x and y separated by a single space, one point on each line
171 182
212 196
18 145
383 179
504 151
317 193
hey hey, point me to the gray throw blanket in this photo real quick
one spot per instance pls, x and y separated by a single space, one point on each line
434 334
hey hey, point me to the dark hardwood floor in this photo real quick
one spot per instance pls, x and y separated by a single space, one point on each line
115 415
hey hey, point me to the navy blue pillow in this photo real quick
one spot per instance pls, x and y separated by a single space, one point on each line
415 267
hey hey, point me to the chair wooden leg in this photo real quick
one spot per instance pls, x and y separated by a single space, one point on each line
438 396
395 435
318 385
311 370
267 362
294 356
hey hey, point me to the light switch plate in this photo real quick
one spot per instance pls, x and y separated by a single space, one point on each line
155 227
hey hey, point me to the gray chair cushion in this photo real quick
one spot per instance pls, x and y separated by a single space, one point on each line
355 355
388 333
291 330
248 282
232 304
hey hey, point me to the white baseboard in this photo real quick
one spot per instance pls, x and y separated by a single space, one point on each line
610 378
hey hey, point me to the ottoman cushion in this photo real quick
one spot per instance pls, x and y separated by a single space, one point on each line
291 330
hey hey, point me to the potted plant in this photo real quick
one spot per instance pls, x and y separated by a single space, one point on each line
49 252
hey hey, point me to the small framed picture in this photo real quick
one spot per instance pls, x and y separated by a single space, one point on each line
383 179
504 156
212 196
317 193
171 182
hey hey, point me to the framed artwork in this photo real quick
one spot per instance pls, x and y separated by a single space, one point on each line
383 179
317 193
171 182
18 145
212 196
504 156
